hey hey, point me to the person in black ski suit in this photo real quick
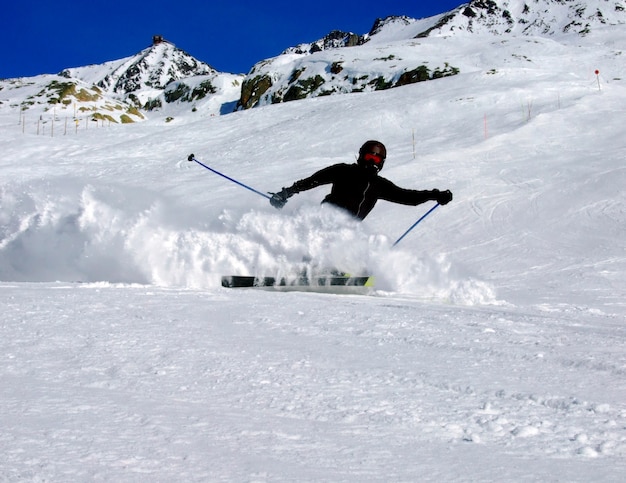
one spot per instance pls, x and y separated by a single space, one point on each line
357 187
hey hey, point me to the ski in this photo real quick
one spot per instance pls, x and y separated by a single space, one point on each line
330 284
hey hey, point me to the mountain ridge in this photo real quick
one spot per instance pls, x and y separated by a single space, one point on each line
163 79
277 80
548 17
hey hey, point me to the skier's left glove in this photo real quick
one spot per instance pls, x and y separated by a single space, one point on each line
443 197
278 200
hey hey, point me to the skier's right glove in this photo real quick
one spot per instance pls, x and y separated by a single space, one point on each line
279 199
443 197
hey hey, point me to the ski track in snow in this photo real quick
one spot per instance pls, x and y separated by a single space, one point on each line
218 384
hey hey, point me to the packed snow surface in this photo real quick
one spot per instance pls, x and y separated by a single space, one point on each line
493 347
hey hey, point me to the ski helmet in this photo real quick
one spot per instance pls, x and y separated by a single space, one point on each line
372 154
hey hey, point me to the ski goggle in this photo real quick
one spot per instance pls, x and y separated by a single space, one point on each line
376 158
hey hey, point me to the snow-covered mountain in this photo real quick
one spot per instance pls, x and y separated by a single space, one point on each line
155 67
340 63
160 75
525 17
390 54
161 78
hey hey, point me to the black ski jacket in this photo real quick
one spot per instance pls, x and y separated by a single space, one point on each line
356 189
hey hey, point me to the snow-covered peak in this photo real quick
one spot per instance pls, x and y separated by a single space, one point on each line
523 17
155 67
539 17
383 29
161 77
333 40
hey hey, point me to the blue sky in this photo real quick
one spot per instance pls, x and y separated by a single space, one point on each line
44 37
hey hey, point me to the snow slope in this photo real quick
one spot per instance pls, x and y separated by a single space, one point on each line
492 349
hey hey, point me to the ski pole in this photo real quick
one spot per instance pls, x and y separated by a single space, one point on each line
192 158
415 224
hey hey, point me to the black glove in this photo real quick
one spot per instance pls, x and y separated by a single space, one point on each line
279 199
443 197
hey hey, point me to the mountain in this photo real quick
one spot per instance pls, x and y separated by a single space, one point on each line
390 54
155 67
157 76
522 17
161 77
164 81
344 62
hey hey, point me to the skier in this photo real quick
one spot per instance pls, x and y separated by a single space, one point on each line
357 187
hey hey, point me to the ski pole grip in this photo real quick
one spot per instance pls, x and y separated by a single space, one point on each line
191 157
